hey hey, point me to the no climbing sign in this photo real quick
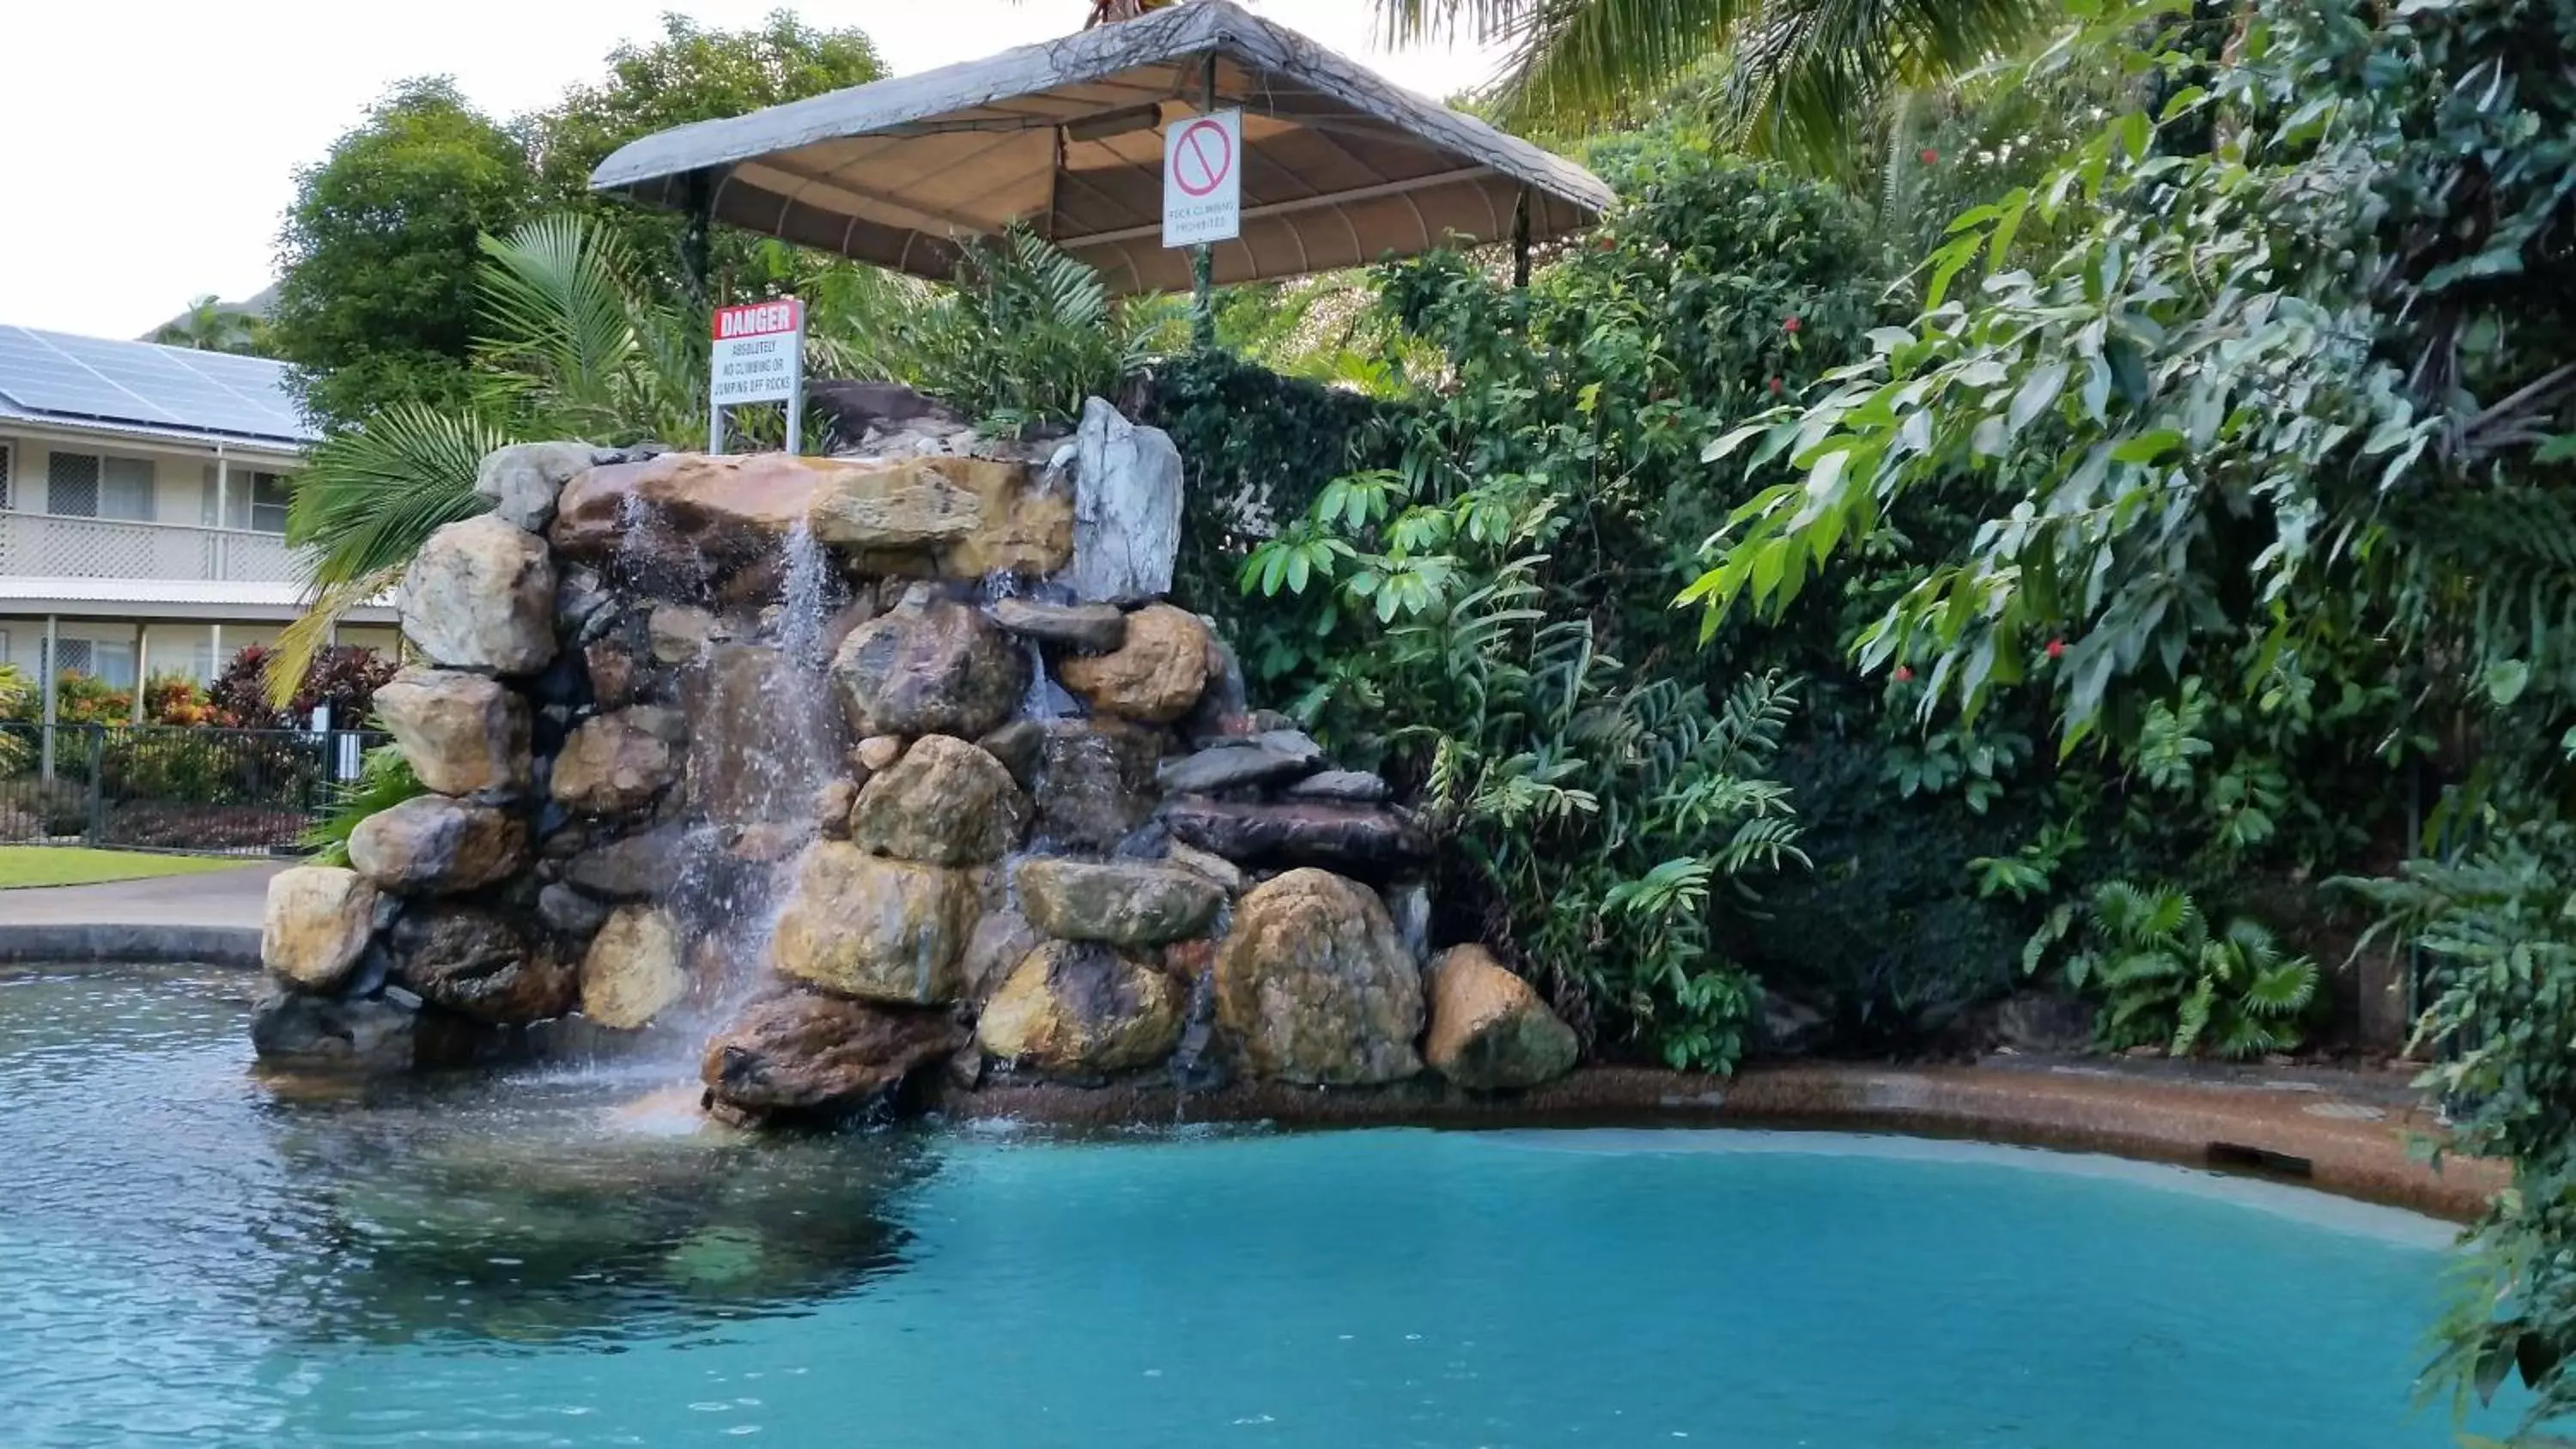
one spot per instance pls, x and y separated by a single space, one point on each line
1203 179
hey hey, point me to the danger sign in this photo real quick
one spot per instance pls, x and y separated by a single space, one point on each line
759 352
1203 179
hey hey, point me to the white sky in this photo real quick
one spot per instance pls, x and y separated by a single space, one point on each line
150 144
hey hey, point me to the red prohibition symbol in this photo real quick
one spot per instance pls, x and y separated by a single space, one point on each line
1201 157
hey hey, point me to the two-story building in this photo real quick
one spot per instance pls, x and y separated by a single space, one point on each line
143 508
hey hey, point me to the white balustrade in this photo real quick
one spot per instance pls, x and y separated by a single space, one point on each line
44 545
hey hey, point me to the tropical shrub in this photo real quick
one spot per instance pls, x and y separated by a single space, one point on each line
343 677
384 780
2167 981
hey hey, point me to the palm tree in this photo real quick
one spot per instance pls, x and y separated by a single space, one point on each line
210 326
1807 78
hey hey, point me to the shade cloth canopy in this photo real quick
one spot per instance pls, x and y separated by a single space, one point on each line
1340 167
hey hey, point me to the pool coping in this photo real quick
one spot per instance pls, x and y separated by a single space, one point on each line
99 942
2282 1130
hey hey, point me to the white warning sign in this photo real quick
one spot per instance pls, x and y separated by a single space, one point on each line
1203 179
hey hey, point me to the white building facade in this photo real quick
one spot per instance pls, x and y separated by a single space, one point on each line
143 499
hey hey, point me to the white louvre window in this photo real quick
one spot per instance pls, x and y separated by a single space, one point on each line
125 489
71 484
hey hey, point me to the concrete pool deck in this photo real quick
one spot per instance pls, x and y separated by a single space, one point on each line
211 917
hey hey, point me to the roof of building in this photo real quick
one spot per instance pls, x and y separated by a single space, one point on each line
1340 167
147 390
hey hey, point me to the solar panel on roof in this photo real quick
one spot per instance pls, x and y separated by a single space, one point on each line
144 383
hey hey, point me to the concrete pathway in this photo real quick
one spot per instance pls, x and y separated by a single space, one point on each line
211 917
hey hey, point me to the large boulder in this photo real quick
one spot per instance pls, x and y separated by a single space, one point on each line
1093 782
1121 903
1313 984
316 924
686 518
882 930
1489 1030
1126 509
961 518
945 802
1082 1011
1001 940
1155 674
807 1055
1088 628
929 667
633 970
481 595
634 867
1300 832
762 732
461 733
435 845
617 763
318 1033
522 480
479 963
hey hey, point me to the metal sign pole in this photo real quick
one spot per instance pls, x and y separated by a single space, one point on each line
796 395
1203 256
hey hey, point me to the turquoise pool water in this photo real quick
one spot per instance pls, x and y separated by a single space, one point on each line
186 1257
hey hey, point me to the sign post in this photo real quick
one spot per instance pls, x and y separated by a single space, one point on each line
1203 199
759 356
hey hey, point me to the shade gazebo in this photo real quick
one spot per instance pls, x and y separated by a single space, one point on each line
1340 168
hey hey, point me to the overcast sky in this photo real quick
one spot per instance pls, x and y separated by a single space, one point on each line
150 144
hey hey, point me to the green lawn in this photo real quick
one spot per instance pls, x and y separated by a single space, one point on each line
54 865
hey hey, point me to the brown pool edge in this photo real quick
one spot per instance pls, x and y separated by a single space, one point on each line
2335 1142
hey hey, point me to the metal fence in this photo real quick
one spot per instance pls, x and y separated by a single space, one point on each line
170 787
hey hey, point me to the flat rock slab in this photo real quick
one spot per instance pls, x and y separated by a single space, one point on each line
1092 628
1298 833
1253 760
1350 787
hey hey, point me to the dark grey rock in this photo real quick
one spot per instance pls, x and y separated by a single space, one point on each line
1253 760
1319 833
633 868
1094 782
570 912
1019 745
1092 628
314 1033
1353 787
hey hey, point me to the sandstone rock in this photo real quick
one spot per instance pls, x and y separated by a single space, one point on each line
1001 940
632 971
678 633
1091 628
803 1054
1122 904
433 845
1019 745
1094 782
1154 676
481 595
614 764
930 667
877 752
962 518
1298 833
832 806
1253 760
1082 1011
769 841
316 923
1313 985
1350 787
883 930
569 912
475 961
686 518
1222 873
523 479
316 1033
616 675
761 731
1489 1030
461 733
1126 509
945 802
632 868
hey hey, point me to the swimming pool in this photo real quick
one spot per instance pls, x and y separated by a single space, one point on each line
555 1258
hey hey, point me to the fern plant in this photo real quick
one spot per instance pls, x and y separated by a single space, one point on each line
2166 980
384 780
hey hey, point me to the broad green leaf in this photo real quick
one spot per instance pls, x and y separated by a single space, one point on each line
2037 391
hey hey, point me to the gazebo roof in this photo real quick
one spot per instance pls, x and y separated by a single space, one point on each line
1340 167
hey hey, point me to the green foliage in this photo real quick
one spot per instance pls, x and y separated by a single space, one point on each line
1024 336
2168 982
376 299
384 780
210 326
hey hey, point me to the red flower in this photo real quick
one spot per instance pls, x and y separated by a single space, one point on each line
1791 324
1775 387
1606 243
1927 155
1904 675
2056 648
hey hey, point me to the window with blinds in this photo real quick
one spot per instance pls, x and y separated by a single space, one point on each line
87 485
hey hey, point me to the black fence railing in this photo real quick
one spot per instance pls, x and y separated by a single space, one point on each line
170 787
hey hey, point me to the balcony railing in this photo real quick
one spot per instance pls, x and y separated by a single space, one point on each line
46 545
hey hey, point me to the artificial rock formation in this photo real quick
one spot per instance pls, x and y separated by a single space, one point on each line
945 802
1489 1030
1081 1011
1158 670
463 733
434 845
1314 985
481 596
930 667
805 1054
633 970
315 925
480 963
1119 903
876 929
1126 509
613 764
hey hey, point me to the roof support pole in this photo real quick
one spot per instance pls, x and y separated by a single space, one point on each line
1521 240
694 231
53 673
142 667
1203 256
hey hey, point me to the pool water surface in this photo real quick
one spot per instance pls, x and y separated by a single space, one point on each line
188 1256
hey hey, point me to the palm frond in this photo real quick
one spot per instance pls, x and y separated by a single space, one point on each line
1807 74
369 495
559 306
